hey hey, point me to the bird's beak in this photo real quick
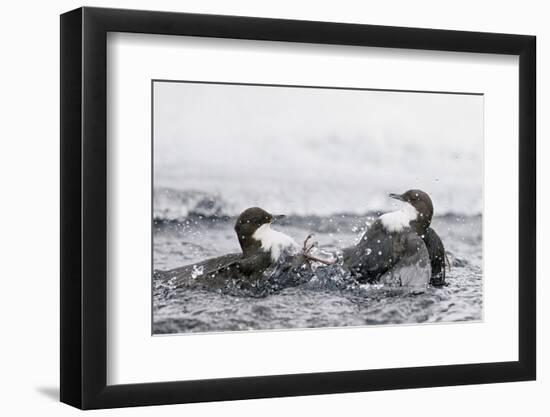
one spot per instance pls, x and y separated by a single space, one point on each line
278 217
397 196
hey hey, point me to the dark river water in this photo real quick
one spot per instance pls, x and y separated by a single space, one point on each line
317 303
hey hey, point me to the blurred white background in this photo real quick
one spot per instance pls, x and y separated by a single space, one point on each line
30 209
318 151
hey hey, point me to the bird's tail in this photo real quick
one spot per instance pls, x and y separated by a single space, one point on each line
447 263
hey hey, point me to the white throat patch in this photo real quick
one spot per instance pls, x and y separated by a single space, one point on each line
400 219
274 241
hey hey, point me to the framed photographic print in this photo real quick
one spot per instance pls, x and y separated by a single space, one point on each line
258 207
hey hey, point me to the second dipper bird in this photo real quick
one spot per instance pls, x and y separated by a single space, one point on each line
400 247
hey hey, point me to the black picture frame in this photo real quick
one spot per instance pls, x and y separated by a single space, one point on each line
84 207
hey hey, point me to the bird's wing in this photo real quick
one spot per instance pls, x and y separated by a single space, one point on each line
377 251
216 272
185 274
253 264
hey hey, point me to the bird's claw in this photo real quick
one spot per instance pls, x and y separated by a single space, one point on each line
306 252
306 249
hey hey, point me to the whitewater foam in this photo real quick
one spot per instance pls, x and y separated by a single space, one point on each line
171 204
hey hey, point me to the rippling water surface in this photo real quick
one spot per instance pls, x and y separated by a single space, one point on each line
316 303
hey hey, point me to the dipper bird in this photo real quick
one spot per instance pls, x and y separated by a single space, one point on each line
261 248
400 247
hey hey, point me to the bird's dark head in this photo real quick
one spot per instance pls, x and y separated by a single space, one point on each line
422 202
247 223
